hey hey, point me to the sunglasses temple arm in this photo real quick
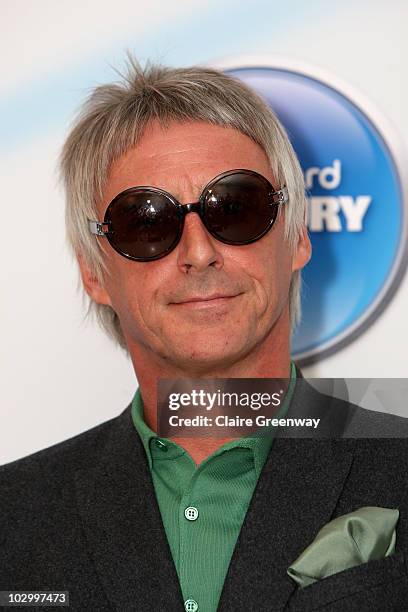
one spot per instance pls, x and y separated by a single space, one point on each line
281 196
98 228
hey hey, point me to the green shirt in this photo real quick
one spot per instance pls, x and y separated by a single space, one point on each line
203 507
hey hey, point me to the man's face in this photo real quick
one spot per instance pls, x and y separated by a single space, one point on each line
206 304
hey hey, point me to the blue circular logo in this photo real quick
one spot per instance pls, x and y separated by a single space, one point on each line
356 214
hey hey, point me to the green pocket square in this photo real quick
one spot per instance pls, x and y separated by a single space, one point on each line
349 540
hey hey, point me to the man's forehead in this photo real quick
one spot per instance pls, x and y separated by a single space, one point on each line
184 155
192 143
177 136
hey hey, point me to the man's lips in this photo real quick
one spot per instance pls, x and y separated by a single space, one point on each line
205 300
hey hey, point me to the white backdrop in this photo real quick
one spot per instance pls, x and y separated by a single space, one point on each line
60 376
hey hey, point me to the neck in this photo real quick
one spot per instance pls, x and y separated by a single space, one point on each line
270 359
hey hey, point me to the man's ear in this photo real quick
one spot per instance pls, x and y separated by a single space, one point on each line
303 250
92 286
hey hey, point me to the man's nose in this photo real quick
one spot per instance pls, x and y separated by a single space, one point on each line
197 249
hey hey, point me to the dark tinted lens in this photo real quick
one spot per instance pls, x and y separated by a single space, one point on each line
238 208
145 225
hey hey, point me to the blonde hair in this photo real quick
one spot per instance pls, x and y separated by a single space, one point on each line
112 120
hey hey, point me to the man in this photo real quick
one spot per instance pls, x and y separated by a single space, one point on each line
186 212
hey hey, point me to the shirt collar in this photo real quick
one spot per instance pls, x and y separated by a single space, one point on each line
259 444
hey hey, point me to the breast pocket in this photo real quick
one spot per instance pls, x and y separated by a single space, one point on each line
377 586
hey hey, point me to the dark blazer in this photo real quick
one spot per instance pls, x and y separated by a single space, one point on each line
82 517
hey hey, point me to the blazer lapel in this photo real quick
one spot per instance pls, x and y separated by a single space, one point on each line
123 525
295 496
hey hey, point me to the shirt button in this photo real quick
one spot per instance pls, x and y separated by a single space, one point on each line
191 514
190 605
161 445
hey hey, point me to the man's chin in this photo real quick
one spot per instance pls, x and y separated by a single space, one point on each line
202 358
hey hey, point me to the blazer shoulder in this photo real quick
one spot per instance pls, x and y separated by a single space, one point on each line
344 418
60 460
366 423
341 418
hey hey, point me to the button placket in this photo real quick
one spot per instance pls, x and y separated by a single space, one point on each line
188 515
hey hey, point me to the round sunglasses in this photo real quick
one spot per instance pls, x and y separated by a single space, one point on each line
146 223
